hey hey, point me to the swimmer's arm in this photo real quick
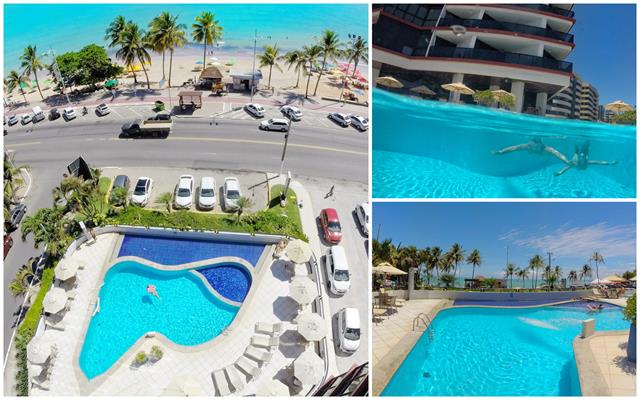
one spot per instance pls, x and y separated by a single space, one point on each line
600 162
511 148
556 153
563 170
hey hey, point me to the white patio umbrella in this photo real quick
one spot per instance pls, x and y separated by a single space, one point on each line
308 368
388 269
633 279
600 282
273 388
389 81
66 270
183 385
55 300
614 278
302 290
298 251
618 106
40 348
458 87
311 326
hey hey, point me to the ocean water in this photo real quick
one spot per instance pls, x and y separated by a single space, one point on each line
431 149
473 351
186 313
68 27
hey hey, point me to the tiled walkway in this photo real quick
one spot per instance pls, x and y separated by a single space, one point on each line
611 355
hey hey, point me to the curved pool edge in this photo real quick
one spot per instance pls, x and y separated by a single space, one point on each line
592 382
87 386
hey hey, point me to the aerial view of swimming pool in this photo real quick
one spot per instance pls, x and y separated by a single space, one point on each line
431 149
475 351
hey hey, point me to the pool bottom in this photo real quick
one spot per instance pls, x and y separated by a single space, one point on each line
400 175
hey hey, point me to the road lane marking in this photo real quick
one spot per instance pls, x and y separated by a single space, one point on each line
279 144
9 145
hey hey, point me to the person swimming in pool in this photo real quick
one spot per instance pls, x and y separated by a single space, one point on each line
151 289
580 159
535 146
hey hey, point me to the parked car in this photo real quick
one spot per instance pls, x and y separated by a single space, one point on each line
363 211
255 109
13 120
184 192
8 243
207 193
338 270
103 110
330 223
275 124
291 112
16 216
38 115
26 118
341 119
120 181
69 113
359 122
54 114
231 193
142 191
349 328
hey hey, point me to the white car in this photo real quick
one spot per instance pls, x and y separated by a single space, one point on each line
363 211
142 191
103 109
69 113
359 122
207 193
184 192
341 119
12 120
26 118
231 193
275 124
338 270
38 115
291 112
255 109
349 328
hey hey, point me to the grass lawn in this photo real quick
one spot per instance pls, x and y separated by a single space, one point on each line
104 184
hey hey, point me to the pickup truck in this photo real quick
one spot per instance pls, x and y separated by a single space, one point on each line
153 126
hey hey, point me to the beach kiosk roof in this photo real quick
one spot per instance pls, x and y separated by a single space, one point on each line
212 72
243 75
189 97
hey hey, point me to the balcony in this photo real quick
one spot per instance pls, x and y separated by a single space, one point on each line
548 9
507 26
503 57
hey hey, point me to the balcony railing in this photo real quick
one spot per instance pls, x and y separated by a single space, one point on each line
507 26
498 56
549 9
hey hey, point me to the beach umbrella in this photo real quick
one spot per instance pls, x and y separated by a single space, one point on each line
24 85
111 83
273 388
40 348
502 93
183 385
633 279
311 326
298 251
614 278
618 106
388 269
66 270
302 290
308 368
200 62
600 282
359 92
423 90
389 81
457 87
55 300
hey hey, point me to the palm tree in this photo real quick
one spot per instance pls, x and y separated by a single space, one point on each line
434 260
132 49
523 274
330 45
310 55
176 37
47 226
535 263
509 271
457 255
572 276
206 29
114 31
383 251
24 276
475 260
270 59
31 64
598 258
359 51
165 199
294 59
585 272
17 80
242 204
425 260
448 280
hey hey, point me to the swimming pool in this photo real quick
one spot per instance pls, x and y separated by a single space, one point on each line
433 149
187 313
473 351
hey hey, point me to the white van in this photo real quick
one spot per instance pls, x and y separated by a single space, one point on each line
38 115
338 270
349 327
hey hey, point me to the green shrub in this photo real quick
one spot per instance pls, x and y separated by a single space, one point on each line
484 97
156 352
141 358
629 311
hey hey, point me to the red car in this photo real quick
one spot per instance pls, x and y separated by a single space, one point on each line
330 223
8 242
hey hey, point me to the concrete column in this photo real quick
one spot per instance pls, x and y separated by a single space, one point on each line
412 281
541 103
376 72
588 328
457 78
517 90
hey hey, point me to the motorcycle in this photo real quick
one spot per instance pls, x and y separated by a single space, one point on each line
85 111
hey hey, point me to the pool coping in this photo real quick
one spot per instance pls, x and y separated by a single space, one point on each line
592 382
390 363
86 386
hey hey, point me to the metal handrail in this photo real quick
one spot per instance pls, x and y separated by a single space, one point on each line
419 318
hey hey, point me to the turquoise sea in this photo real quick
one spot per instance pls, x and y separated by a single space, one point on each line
67 27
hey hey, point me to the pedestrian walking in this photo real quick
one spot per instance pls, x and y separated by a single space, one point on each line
330 192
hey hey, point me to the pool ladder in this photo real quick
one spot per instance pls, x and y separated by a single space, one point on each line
422 317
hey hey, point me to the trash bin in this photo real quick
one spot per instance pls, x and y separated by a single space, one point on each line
159 106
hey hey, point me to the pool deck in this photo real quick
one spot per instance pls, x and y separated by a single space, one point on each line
603 366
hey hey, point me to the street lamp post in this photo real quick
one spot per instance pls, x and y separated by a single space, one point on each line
56 72
253 69
284 148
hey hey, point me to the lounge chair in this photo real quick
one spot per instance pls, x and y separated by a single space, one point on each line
270 329
60 325
221 383
44 384
250 367
71 294
258 354
235 377
265 341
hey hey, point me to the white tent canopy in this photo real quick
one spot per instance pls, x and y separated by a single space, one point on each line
298 251
308 368
311 326
302 290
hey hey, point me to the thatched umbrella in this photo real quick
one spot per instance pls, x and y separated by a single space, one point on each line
389 81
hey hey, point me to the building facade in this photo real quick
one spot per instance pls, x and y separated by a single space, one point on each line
519 48
577 101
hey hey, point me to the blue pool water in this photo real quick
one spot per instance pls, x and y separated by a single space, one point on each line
231 281
170 251
186 313
473 351
430 149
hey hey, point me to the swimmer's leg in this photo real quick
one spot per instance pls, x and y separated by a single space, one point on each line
563 170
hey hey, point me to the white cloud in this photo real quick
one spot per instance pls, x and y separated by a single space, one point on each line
510 236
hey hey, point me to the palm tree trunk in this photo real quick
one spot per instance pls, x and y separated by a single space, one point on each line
324 62
298 81
355 68
306 92
269 81
473 272
145 73
135 78
204 55
163 53
24 95
597 271
170 64
35 74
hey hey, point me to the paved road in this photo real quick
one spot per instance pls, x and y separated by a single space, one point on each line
326 152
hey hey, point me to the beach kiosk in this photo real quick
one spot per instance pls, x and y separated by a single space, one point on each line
242 79
190 99
211 77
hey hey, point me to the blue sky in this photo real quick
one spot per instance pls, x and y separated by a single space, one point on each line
605 52
571 231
